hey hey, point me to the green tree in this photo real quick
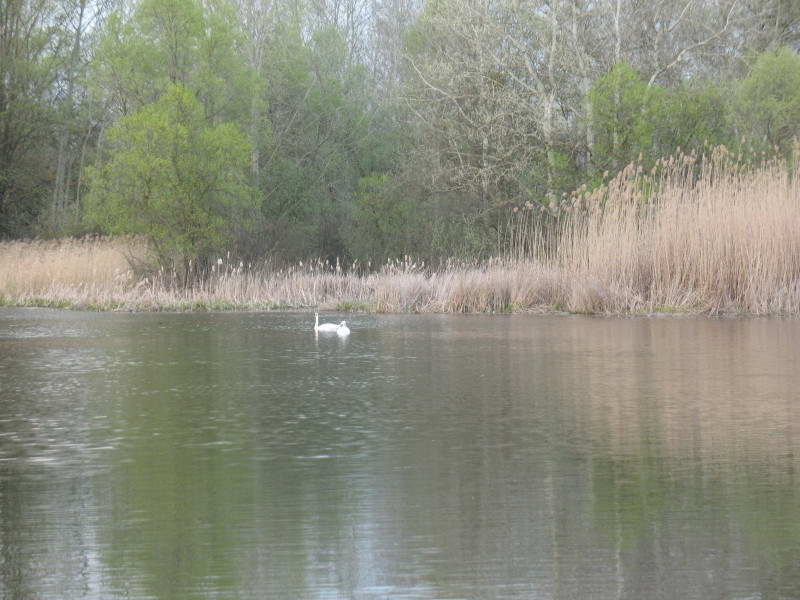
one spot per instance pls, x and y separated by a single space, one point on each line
171 176
691 118
380 221
619 106
323 141
767 102
31 50
166 42
632 119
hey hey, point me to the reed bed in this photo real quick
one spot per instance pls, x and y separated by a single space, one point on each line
67 272
689 236
497 286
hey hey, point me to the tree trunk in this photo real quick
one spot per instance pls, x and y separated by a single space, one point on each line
617 59
549 102
61 187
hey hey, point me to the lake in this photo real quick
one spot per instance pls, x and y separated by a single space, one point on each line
238 455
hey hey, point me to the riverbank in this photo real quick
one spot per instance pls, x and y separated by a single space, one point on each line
500 286
684 238
103 283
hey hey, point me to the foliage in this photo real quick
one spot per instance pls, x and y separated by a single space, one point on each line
723 239
380 220
634 121
369 129
168 42
323 141
30 51
767 102
173 177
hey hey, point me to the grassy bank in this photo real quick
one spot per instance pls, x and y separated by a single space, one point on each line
403 287
682 238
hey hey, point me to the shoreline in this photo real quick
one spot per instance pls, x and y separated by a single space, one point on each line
199 306
723 241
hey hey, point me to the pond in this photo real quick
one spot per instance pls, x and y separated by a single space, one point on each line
238 455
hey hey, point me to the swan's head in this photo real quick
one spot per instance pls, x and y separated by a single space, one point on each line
343 324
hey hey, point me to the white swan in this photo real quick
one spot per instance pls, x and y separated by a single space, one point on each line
343 329
325 326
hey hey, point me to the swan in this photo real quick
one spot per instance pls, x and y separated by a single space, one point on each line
343 329
325 326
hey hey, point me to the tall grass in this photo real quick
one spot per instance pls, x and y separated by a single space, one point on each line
697 236
689 236
66 271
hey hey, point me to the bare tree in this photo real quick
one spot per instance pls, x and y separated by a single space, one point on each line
495 87
80 18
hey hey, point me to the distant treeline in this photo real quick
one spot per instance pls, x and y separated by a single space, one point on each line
367 129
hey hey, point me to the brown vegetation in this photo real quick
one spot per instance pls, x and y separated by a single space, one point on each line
721 240
686 237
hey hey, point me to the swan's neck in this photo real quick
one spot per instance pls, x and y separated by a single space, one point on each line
316 320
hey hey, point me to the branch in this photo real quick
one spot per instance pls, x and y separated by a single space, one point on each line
680 17
439 90
679 56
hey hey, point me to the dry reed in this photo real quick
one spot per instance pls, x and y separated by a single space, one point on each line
65 271
690 236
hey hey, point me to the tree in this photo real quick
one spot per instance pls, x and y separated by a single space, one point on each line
166 42
473 101
171 176
633 120
31 47
323 140
773 24
767 102
74 122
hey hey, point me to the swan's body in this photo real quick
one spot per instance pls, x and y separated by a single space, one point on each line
343 329
331 327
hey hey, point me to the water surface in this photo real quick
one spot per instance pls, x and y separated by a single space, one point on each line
536 457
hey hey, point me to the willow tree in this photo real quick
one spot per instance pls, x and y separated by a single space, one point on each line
174 166
174 178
